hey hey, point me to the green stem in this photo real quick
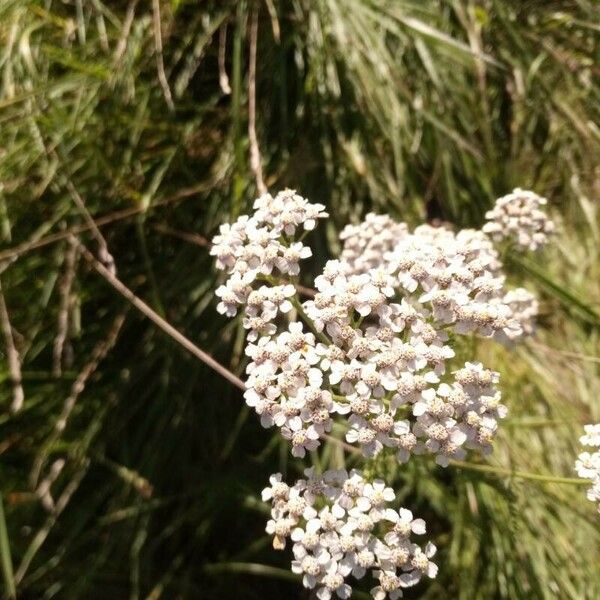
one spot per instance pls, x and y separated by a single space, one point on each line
250 569
236 107
520 474
533 422
7 566
294 300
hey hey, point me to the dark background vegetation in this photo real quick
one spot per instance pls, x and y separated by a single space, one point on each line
424 110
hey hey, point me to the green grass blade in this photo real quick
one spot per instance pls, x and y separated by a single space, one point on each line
7 566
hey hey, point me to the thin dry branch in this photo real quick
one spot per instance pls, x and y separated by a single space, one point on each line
127 23
63 312
305 291
255 159
158 51
192 238
223 78
10 254
175 334
44 489
103 253
12 356
158 320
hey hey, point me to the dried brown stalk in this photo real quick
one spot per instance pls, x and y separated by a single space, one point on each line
192 238
63 312
158 320
223 78
158 51
12 356
127 23
103 254
255 159
178 336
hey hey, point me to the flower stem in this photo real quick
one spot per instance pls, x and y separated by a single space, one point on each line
520 474
294 300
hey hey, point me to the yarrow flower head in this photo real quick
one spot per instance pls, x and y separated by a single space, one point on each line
253 249
374 347
588 463
518 216
373 350
341 526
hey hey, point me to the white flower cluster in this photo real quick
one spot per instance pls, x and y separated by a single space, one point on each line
518 216
371 349
524 308
588 463
378 346
254 248
367 243
457 277
342 525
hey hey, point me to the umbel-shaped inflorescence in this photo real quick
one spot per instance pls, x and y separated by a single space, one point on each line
341 526
520 217
374 343
374 346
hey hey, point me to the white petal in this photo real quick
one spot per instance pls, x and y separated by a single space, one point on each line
406 515
410 579
378 593
418 526
323 594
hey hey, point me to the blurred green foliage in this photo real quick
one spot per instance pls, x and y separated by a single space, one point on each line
424 110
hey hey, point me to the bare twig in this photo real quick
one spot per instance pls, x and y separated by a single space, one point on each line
43 490
192 238
223 78
159 321
175 334
255 160
103 254
127 23
12 356
158 51
274 20
63 311
10 254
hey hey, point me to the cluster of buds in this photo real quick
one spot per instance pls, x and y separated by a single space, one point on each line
588 463
342 525
518 216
